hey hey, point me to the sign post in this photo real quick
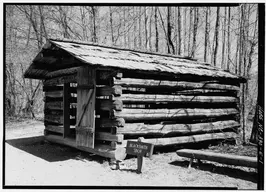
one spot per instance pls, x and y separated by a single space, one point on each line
140 149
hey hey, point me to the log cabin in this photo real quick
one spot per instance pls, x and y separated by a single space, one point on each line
97 98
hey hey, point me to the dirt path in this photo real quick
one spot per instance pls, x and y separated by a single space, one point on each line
32 161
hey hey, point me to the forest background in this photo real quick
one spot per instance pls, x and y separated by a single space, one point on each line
225 37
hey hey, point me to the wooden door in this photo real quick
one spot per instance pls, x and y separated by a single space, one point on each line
86 92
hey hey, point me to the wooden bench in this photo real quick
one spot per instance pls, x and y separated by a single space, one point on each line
218 157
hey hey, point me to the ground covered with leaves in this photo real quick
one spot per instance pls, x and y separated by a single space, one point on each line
30 160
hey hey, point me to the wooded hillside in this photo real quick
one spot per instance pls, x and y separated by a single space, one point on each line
226 37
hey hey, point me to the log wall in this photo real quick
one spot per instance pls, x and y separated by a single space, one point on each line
164 111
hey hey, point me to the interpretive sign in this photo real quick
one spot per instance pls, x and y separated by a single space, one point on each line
140 149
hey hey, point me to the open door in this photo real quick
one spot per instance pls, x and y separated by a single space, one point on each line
86 92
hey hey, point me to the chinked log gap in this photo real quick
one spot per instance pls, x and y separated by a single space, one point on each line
192 92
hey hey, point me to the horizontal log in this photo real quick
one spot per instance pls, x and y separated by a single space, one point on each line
162 129
58 88
219 157
107 91
167 114
107 74
187 139
57 119
56 129
106 122
145 98
61 80
130 82
101 150
109 137
54 94
108 105
56 105
62 72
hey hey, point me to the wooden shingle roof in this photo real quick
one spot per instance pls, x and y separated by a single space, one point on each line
117 58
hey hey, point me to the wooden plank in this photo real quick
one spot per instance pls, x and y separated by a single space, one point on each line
86 106
131 82
108 91
61 80
108 105
109 137
167 114
106 122
187 139
219 157
162 129
66 109
101 150
56 129
147 98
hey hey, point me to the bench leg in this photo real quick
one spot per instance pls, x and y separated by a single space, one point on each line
190 163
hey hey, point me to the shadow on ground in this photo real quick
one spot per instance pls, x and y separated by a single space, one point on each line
51 152
229 171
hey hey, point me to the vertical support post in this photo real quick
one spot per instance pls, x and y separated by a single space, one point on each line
190 163
139 158
66 109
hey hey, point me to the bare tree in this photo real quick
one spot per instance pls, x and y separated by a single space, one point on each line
195 29
111 24
216 36
179 30
169 32
207 29
156 29
223 41
228 39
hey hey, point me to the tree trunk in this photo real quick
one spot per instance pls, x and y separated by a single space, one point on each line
140 39
190 29
223 41
195 28
94 36
169 32
150 32
111 24
228 39
124 15
156 30
207 27
216 34
185 30
145 28
135 28
179 31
